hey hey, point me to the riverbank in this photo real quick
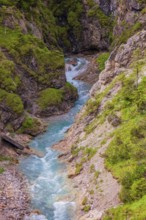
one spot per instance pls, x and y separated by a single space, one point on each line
15 199
51 190
91 74
14 195
18 180
97 190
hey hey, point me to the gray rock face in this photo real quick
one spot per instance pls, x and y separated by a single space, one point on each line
105 5
113 7
135 5
120 59
26 26
130 5
128 13
94 35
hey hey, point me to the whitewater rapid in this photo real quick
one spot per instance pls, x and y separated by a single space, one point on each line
51 191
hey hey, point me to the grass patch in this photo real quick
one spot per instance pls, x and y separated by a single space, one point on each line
132 211
125 157
86 154
11 101
101 59
4 158
50 97
75 150
90 152
87 208
30 126
9 80
127 33
41 63
79 168
70 90
92 168
1 170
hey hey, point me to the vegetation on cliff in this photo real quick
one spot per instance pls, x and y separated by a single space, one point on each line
105 21
101 59
33 36
31 60
68 18
125 155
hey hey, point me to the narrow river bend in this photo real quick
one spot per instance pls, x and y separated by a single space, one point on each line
51 190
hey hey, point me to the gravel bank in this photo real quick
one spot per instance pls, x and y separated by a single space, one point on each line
14 198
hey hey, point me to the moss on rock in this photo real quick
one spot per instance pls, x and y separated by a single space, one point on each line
49 97
11 101
31 125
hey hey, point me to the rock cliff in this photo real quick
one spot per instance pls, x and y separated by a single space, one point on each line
109 132
108 137
105 148
32 70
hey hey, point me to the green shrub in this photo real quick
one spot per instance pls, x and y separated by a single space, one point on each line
8 79
70 89
106 22
91 192
101 59
30 126
126 154
87 208
90 3
127 33
96 174
73 21
92 168
7 2
90 152
138 189
25 5
75 150
1 170
85 200
95 11
132 211
71 12
79 167
12 101
5 158
144 11
49 97
41 63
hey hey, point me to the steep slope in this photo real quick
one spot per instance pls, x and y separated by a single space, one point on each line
32 70
109 135
106 145
130 16
32 63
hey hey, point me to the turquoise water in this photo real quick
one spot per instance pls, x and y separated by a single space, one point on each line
50 189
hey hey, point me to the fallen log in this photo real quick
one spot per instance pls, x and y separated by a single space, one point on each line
11 142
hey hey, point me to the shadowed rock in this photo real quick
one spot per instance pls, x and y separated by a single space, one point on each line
10 141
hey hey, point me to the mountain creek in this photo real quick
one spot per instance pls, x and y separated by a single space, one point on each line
51 191
72 110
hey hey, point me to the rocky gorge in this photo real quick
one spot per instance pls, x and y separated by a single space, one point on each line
104 149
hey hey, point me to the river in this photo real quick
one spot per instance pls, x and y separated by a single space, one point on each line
51 191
